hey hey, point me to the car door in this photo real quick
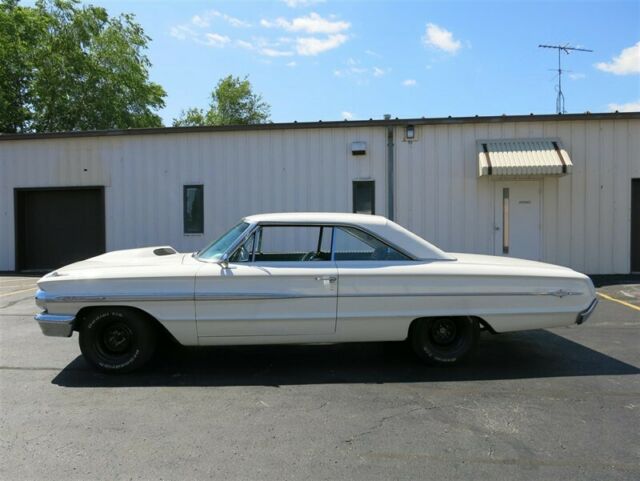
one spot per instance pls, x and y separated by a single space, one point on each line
280 282
375 280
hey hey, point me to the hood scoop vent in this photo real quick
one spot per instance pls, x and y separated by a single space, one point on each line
164 251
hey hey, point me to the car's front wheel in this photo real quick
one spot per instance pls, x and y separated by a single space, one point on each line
444 340
117 339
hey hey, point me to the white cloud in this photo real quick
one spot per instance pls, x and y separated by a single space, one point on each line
194 30
273 52
628 107
313 45
347 115
441 39
182 32
372 53
576 76
378 72
312 23
291 64
236 22
301 3
628 62
409 82
244 44
214 40
354 69
203 20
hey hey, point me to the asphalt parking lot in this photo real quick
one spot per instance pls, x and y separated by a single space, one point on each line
548 404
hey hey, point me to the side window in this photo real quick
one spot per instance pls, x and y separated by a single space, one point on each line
355 245
364 193
193 209
286 244
293 243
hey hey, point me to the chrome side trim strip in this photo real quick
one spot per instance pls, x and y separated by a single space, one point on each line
463 294
45 298
118 298
256 296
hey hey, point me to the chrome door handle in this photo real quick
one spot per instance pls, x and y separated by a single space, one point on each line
326 278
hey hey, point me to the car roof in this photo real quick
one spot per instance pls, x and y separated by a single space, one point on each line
318 218
387 230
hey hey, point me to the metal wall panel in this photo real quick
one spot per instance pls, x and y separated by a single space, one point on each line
244 172
585 215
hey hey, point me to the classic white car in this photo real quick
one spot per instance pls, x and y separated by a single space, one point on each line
304 278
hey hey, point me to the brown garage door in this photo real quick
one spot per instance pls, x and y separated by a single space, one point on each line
55 227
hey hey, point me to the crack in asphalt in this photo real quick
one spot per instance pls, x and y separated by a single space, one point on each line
381 421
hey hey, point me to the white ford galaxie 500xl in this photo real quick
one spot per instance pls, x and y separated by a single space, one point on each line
304 278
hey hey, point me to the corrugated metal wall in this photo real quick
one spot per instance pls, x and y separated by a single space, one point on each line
243 173
586 215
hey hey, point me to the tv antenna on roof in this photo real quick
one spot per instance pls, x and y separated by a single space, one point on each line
566 49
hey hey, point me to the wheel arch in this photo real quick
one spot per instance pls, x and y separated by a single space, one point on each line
82 314
484 325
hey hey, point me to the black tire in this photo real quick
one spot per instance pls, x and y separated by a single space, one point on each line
117 340
444 340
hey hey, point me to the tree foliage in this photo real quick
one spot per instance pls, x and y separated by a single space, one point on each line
69 67
233 102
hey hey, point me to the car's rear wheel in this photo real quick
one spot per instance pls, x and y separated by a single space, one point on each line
444 340
117 339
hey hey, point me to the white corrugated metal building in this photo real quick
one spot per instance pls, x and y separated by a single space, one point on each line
559 188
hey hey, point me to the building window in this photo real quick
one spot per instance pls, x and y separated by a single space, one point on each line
193 209
364 193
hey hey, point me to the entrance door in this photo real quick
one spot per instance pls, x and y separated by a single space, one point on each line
517 219
635 225
55 227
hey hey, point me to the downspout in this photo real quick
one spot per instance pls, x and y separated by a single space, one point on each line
390 170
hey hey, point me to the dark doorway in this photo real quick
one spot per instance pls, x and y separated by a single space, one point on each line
55 227
635 225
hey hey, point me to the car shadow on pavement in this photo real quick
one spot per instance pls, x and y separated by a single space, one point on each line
533 354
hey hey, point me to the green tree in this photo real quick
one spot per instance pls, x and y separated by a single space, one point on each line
21 29
71 67
233 102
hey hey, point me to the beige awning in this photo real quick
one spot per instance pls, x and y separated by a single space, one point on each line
522 157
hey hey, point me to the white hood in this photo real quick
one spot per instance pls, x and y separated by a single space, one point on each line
145 256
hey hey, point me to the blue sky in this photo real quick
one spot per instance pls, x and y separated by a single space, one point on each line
328 60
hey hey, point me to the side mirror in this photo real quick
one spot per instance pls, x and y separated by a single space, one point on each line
224 261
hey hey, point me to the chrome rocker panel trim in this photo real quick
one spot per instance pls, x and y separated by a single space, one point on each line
55 325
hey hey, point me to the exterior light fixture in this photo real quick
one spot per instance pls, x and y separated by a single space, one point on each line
410 133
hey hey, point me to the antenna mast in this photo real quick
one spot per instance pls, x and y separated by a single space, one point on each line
566 49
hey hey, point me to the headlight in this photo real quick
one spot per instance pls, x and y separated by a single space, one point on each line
41 299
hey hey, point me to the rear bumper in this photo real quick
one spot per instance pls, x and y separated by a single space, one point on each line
55 325
584 315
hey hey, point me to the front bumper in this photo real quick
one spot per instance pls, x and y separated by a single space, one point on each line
55 324
584 315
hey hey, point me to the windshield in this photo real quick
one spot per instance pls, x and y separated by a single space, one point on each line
214 250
